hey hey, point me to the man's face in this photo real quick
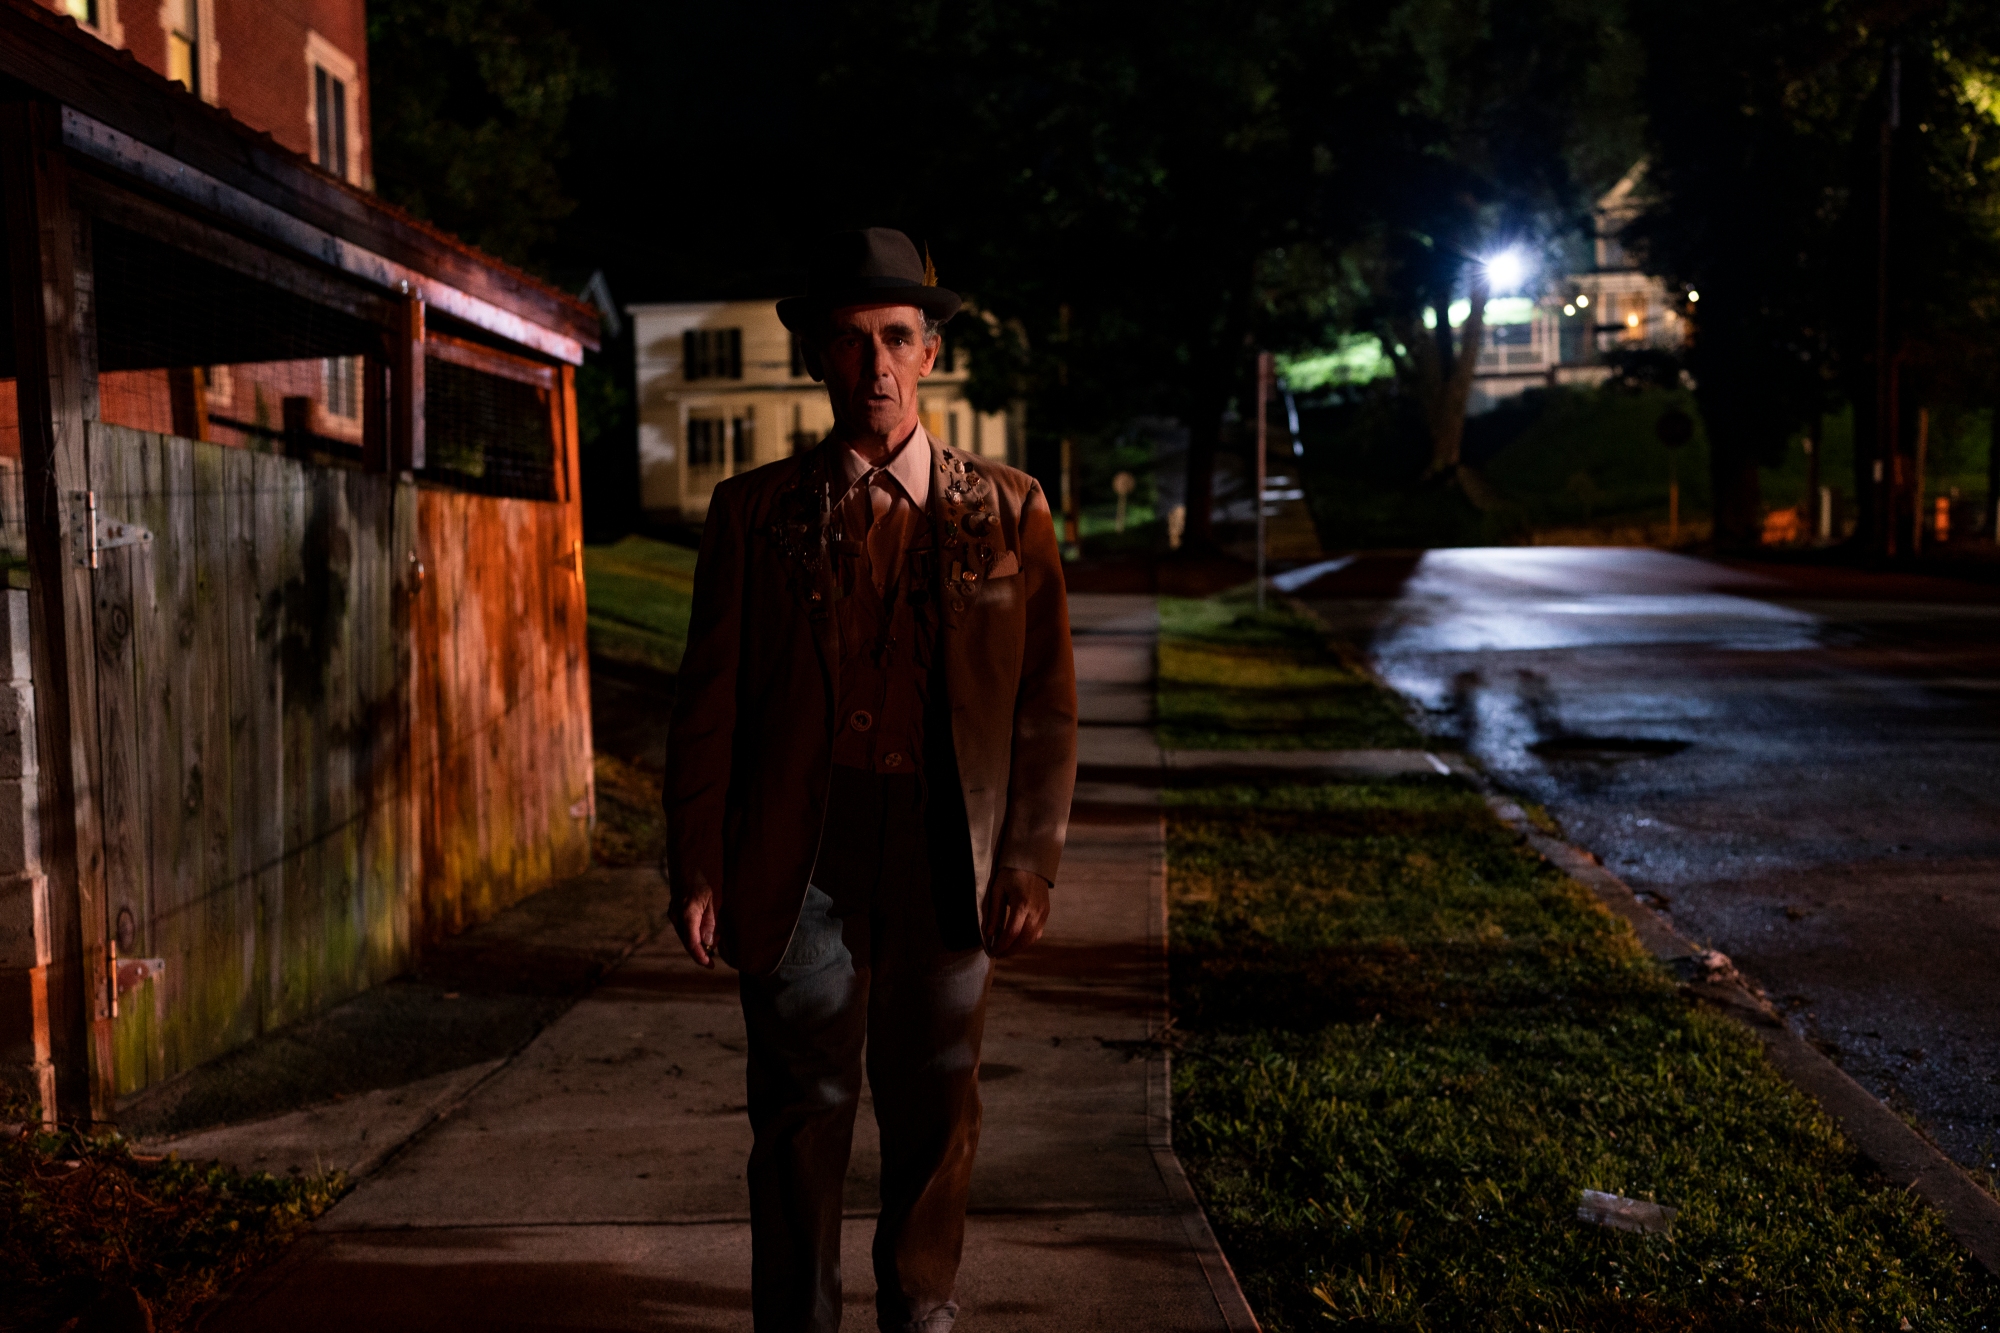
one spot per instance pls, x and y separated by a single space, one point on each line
871 361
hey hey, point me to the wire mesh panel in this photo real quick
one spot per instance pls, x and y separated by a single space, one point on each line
193 348
489 425
13 520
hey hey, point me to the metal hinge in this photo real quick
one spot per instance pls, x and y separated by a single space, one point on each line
128 974
91 532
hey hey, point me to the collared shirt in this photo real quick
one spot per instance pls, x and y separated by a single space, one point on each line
910 466
884 506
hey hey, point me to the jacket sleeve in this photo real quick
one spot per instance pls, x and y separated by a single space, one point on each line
1043 777
701 736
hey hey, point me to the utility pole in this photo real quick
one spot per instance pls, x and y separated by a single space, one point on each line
1264 378
1072 532
1993 476
1882 502
1809 507
1917 482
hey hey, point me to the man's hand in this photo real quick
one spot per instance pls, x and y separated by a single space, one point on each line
694 921
1017 907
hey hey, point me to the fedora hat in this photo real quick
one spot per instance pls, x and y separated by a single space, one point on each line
878 266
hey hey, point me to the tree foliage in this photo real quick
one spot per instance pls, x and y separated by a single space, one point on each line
471 107
1136 197
1142 195
1766 126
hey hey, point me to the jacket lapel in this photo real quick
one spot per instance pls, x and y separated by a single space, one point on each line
799 532
962 516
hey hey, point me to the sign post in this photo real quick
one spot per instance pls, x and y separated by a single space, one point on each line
1674 429
1264 378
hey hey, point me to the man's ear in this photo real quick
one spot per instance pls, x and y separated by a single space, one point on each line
809 353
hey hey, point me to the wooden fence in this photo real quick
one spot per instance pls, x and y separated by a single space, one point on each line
503 749
335 702
339 714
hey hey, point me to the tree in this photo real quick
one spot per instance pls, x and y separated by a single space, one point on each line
1143 195
1103 181
471 105
1498 138
1766 126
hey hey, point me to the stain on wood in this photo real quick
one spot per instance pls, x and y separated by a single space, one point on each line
312 761
502 752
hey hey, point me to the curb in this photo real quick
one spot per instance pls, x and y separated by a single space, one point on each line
1230 1303
1902 1155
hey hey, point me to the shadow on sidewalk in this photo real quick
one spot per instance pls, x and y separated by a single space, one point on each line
476 997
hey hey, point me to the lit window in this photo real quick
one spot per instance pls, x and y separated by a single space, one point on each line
100 18
183 23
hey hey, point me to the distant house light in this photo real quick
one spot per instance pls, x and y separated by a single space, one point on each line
1583 303
1693 295
1569 310
1631 321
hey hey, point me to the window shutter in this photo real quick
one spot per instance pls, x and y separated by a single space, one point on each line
735 337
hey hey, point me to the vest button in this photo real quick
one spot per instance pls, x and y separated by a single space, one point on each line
893 760
862 719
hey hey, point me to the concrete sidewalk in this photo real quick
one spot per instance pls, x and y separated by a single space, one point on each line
595 1180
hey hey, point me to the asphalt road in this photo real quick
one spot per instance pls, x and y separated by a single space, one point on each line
1801 766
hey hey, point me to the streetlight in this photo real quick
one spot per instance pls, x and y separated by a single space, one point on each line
1506 270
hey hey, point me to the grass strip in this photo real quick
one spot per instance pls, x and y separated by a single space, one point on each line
1410 1043
640 593
631 827
1245 681
88 1229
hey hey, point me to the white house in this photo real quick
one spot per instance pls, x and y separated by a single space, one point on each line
1562 338
722 388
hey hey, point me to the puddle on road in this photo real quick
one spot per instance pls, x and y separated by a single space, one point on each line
1606 749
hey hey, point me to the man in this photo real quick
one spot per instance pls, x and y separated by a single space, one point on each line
870 767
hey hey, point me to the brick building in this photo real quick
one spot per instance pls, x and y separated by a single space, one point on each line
296 69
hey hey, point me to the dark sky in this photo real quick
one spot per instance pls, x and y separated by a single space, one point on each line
694 179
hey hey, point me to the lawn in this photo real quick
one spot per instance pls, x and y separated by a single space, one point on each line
1241 680
1410 1043
640 592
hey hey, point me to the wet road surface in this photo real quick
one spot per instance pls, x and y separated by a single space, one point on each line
1801 766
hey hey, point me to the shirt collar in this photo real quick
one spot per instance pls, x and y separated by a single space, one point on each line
910 465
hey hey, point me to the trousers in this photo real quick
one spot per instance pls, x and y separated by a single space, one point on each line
911 1013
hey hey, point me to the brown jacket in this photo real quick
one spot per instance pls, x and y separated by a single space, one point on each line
751 743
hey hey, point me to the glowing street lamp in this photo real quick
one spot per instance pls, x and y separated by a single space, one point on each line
1506 271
